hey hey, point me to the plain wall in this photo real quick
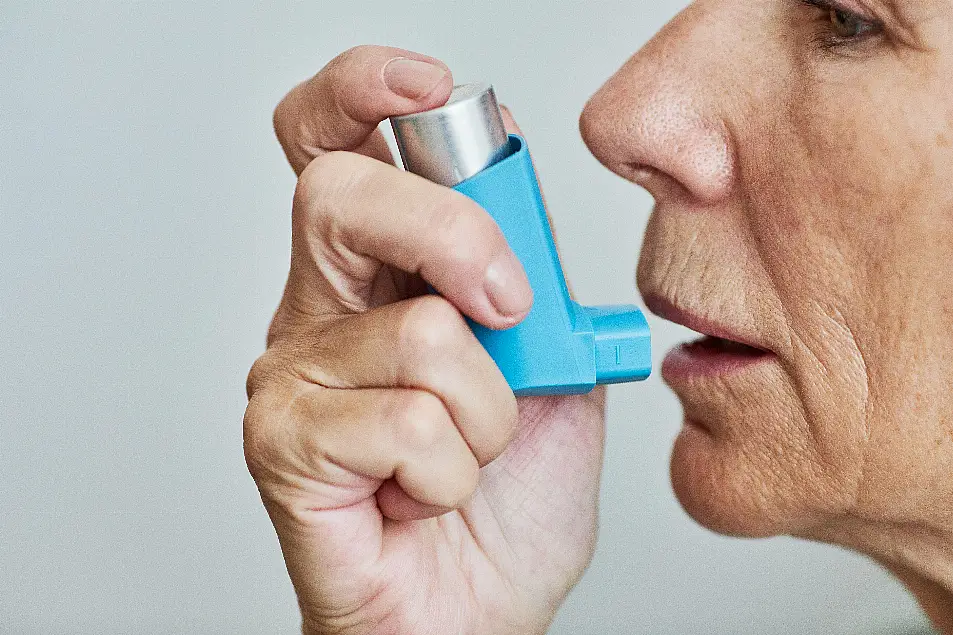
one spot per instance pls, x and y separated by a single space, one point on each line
144 241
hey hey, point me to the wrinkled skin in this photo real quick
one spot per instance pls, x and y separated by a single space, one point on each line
800 158
804 200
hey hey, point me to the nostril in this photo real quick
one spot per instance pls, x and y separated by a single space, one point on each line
656 182
641 172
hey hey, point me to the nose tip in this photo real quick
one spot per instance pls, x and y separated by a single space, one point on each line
653 127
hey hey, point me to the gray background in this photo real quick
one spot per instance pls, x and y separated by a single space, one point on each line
143 245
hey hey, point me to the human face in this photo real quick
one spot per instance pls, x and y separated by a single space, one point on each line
801 158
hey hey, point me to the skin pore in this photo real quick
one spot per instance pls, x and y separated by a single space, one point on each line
801 156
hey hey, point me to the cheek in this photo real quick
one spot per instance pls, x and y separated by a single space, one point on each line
853 223
820 212
788 450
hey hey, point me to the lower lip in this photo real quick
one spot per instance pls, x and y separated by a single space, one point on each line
703 359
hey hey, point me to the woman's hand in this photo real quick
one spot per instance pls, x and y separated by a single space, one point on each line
411 492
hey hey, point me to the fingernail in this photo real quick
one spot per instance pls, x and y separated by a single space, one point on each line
412 79
506 285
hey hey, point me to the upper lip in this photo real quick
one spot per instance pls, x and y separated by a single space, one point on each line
667 310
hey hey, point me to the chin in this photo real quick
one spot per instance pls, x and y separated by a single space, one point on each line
705 486
730 488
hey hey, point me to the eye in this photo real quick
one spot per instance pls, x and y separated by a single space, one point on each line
841 27
849 25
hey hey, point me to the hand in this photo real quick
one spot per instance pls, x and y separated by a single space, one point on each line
411 492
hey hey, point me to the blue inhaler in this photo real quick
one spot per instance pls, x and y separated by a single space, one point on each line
560 347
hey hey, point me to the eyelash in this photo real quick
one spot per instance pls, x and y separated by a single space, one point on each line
828 39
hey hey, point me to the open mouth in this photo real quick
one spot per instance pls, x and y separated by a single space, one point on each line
715 353
717 346
710 356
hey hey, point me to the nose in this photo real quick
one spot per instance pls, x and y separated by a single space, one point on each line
658 121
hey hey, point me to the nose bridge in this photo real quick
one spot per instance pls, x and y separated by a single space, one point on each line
662 112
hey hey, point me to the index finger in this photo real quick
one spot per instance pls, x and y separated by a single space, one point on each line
352 215
341 107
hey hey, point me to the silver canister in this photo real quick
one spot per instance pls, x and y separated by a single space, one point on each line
450 144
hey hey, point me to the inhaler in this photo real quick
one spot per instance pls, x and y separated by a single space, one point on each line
561 347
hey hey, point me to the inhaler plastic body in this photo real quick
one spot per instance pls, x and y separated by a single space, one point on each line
560 347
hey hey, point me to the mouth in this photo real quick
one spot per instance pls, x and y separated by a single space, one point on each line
718 353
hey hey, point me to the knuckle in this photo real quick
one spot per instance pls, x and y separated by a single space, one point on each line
423 425
287 117
431 325
464 230
336 71
292 117
262 373
260 438
460 488
323 189
280 120
321 176
359 52
419 419
341 69
270 388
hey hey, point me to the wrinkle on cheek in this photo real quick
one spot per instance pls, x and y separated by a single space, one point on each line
840 383
823 361
811 274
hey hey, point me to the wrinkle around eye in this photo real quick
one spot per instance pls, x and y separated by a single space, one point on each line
904 22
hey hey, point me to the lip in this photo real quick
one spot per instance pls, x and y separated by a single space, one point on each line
668 311
704 357
696 360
